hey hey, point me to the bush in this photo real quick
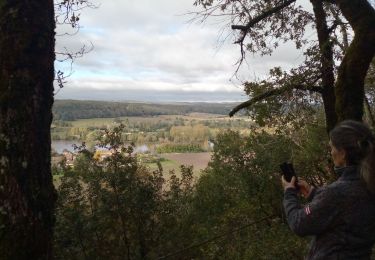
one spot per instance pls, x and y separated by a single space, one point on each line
118 209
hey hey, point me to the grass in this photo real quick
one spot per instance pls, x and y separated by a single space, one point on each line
167 165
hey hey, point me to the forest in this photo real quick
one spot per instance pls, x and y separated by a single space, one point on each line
68 110
116 206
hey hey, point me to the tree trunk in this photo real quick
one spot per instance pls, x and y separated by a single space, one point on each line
352 71
368 113
326 60
27 195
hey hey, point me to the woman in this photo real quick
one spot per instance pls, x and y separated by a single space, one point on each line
340 216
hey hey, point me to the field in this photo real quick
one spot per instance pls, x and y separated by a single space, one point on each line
199 161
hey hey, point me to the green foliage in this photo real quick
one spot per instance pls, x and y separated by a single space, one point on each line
241 185
116 208
311 156
179 148
283 98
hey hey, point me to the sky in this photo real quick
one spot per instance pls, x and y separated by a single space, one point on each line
147 50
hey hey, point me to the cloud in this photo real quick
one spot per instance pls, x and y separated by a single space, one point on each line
111 83
148 45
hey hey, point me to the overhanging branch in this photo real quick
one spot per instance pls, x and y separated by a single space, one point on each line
273 92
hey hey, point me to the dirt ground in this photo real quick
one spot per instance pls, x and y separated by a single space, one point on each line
198 160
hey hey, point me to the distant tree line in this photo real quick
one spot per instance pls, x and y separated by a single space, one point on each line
68 110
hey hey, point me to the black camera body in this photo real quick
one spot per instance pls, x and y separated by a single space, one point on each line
287 170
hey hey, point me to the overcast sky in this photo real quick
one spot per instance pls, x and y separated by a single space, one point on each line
146 50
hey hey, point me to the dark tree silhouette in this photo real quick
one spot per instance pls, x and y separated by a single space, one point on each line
27 195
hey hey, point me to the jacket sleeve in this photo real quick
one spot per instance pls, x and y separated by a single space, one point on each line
314 217
312 194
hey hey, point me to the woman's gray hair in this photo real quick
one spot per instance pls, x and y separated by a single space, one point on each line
358 142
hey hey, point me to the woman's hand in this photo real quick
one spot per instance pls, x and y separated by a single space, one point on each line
304 188
291 184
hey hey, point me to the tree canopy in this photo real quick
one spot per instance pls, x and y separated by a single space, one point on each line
336 62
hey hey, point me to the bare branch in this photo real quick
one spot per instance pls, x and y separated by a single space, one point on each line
252 22
67 56
68 11
345 45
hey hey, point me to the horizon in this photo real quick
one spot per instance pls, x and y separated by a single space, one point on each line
153 102
160 96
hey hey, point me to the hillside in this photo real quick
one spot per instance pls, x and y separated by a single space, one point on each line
76 109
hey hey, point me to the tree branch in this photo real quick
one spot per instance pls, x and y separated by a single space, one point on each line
252 22
345 45
326 63
273 92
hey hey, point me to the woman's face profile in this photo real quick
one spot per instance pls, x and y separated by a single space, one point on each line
338 156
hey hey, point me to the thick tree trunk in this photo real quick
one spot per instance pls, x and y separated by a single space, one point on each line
352 71
326 59
27 195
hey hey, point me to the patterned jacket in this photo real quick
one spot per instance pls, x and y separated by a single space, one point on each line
339 216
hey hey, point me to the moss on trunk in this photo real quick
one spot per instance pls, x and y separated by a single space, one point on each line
349 88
